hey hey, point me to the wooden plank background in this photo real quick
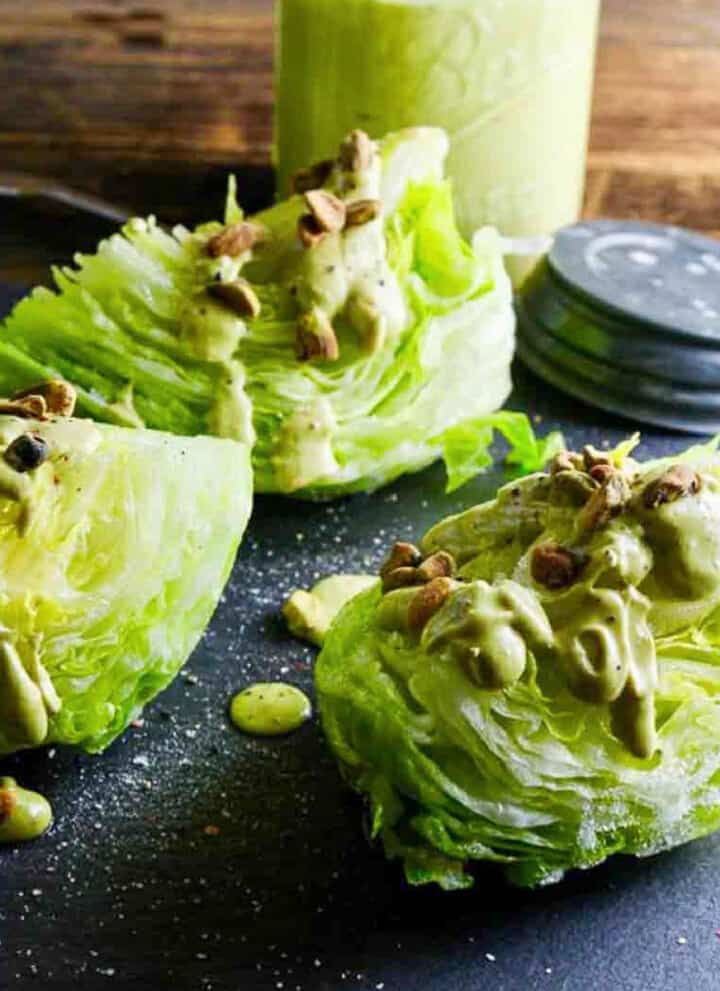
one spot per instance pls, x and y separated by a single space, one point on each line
147 103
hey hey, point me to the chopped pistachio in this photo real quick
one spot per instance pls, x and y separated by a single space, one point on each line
572 487
238 295
315 337
679 481
400 578
235 239
356 152
592 457
29 408
428 600
601 473
309 231
362 212
566 461
59 396
605 503
438 565
556 567
402 555
326 209
313 177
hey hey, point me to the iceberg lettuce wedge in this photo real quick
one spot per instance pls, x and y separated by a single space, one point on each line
347 358
538 684
113 555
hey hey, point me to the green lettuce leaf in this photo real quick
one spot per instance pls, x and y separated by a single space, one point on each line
467 447
111 581
134 329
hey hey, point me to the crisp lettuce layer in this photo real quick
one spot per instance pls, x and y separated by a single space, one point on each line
132 329
131 538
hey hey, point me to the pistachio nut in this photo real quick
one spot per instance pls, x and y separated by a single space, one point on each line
309 231
326 209
438 565
556 567
313 177
59 396
238 296
315 338
402 555
679 481
428 600
361 212
356 152
235 239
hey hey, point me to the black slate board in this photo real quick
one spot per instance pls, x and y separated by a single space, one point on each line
129 891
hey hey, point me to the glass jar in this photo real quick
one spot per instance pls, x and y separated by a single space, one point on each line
510 80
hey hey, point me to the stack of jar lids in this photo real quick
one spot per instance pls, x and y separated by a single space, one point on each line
626 316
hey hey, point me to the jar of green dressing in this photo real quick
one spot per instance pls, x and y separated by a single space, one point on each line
510 81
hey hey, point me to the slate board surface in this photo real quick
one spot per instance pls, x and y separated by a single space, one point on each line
129 891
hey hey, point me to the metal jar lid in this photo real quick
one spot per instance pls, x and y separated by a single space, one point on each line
626 316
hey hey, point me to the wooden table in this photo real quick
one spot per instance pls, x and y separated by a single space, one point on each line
148 102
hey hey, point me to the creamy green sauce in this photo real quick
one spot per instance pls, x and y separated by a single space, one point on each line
489 628
270 709
24 814
231 415
27 696
124 408
303 446
17 487
309 615
211 331
347 273
647 569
